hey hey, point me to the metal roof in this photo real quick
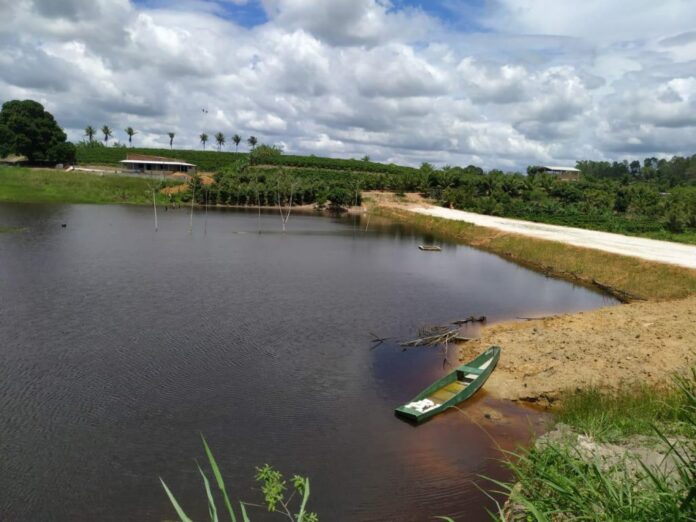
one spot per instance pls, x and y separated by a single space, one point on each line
564 169
153 162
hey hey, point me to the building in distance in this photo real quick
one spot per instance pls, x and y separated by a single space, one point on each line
566 173
143 164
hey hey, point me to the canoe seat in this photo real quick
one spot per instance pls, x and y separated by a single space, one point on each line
468 373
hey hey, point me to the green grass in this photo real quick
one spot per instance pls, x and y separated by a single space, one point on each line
610 417
554 481
24 185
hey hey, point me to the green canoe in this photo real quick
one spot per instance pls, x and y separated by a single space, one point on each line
452 389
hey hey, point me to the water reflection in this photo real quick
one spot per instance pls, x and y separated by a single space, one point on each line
121 344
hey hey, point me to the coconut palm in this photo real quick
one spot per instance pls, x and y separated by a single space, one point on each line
90 132
236 139
171 139
220 140
204 139
107 132
130 132
252 141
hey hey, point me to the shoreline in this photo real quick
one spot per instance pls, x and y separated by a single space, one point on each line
610 348
643 342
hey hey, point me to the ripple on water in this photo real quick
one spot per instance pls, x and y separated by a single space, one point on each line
122 345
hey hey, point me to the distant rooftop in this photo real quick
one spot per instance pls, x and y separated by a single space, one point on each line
561 169
154 160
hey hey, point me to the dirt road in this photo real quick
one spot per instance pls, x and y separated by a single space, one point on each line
648 249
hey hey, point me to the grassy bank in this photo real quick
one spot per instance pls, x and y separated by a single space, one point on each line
631 276
647 472
24 185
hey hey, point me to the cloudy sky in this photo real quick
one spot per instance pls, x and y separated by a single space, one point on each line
498 83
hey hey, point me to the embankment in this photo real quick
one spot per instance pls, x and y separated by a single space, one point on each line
609 348
646 341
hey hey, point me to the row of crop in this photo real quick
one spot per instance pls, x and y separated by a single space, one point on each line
205 160
335 164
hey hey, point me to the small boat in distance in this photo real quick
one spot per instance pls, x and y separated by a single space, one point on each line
451 389
429 248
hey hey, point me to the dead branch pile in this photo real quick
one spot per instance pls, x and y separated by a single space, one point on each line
433 335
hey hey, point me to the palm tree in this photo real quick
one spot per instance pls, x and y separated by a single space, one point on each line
204 139
236 139
171 139
90 132
252 141
220 139
107 132
131 133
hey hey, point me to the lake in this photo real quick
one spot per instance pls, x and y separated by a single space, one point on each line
121 345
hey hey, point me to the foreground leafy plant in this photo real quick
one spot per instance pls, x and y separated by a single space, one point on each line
273 487
557 482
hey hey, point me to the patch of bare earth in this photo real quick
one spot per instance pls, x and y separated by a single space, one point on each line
645 342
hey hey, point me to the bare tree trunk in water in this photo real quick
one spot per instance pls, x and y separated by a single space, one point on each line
154 207
284 219
205 219
193 198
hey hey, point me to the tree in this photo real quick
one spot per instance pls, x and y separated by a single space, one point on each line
130 132
252 141
29 130
204 138
220 140
90 132
171 138
236 139
107 132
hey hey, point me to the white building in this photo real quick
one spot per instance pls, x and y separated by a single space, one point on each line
562 172
140 163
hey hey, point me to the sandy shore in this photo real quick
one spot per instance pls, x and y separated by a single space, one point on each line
608 348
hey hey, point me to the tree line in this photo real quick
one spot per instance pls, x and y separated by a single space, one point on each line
108 133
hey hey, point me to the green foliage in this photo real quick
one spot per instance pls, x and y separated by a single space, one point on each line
241 184
557 482
263 154
273 486
337 164
28 130
274 490
627 206
617 197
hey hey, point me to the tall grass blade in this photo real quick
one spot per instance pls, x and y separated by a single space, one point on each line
245 517
212 508
183 516
218 479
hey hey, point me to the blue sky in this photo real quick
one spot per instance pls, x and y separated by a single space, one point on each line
497 83
458 14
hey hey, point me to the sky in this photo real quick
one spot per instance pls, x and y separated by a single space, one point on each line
495 83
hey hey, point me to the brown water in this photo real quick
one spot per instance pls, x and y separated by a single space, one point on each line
120 345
